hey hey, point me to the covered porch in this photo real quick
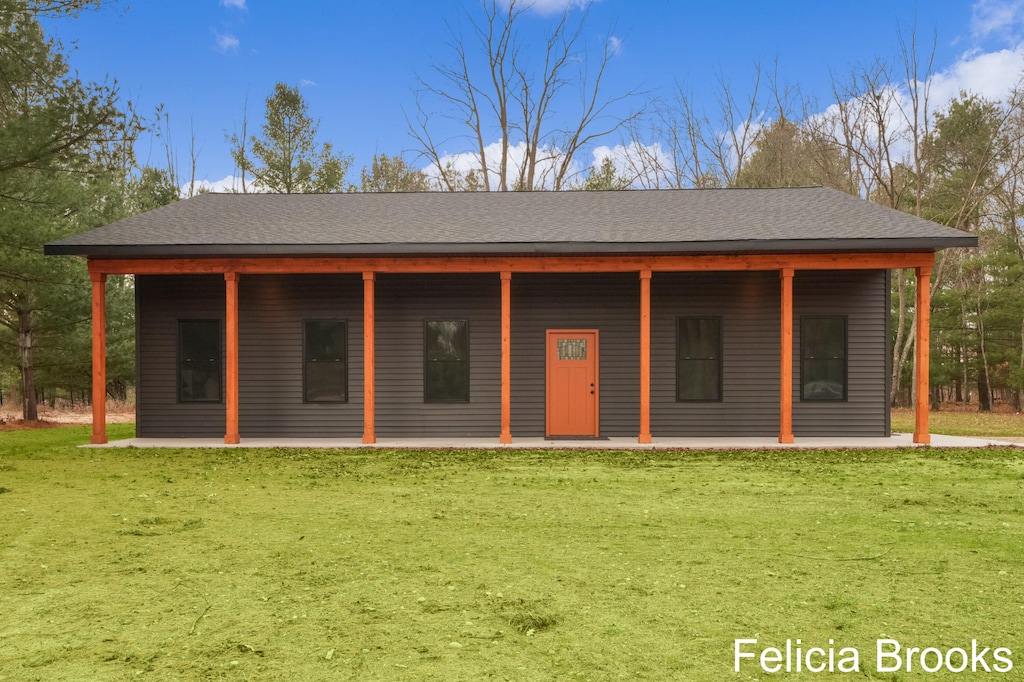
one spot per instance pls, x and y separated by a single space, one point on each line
505 269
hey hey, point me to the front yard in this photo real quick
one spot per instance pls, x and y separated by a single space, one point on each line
525 565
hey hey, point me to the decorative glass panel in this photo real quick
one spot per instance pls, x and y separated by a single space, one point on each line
698 359
446 361
325 373
199 360
572 349
823 358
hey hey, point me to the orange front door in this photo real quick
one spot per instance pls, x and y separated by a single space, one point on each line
572 386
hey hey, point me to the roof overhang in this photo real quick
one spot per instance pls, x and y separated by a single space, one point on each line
509 248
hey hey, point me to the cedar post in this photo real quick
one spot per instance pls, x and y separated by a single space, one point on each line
231 437
922 351
645 357
99 358
506 358
786 359
369 368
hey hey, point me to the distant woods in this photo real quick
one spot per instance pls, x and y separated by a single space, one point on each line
520 103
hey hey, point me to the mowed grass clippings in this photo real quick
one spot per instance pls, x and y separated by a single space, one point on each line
508 565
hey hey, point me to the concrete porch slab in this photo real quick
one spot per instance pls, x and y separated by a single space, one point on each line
900 440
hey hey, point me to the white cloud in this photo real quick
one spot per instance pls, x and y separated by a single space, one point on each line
643 164
548 160
306 83
226 42
989 74
1002 17
227 184
237 4
614 45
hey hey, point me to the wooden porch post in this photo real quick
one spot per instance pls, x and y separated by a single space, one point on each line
786 359
506 358
231 437
922 350
99 358
645 357
369 368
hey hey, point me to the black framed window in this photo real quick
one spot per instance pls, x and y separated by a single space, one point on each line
446 361
199 361
823 358
325 361
698 359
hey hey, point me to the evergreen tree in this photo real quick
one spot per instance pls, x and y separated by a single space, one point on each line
392 174
604 177
287 158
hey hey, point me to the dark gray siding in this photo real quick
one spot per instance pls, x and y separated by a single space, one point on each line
609 303
271 314
404 303
272 310
162 300
748 305
861 296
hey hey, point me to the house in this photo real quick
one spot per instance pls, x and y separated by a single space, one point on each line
542 314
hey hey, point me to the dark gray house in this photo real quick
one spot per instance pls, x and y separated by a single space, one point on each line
552 314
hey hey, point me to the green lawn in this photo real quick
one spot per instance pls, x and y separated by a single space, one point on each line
515 565
957 423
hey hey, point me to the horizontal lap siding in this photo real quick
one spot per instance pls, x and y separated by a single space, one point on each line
748 305
272 312
404 303
861 296
608 303
162 300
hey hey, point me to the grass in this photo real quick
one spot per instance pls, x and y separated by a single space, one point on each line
959 423
466 565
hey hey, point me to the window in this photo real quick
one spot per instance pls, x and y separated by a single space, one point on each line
823 358
698 359
325 361
199 359
446 362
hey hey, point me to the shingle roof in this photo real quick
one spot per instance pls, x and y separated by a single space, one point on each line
651 221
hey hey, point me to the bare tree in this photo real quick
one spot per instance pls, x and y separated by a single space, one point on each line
541 107
162 130
702 148
881 121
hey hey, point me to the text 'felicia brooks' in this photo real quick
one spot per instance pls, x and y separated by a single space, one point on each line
889 657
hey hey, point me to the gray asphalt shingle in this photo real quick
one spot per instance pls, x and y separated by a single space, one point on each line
806 218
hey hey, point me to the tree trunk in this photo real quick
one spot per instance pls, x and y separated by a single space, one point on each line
29 409
897 346
984 392
984 382
1019 403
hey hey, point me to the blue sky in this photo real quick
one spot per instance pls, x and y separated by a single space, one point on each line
357 61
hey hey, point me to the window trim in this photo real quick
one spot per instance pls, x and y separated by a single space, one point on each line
220 361
721 364
305 361
427 361
846 358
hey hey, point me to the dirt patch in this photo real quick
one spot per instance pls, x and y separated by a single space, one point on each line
22 424
10 416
